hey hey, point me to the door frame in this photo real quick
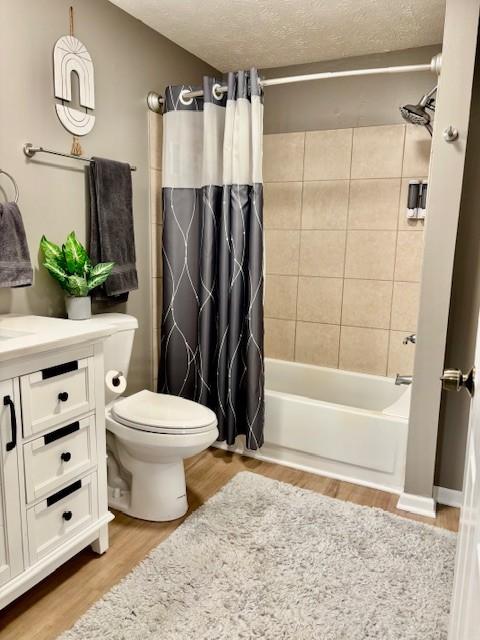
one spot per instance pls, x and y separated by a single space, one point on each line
443 205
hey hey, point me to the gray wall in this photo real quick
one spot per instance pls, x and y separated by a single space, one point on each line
130 59
464 309
345 102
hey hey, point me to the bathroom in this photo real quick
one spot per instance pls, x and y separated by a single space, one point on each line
367 281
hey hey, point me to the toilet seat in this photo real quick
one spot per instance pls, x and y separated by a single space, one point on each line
162 413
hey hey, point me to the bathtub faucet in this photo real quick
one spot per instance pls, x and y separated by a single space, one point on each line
411 338
403 380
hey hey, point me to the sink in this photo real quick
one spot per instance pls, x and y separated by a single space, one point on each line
8 334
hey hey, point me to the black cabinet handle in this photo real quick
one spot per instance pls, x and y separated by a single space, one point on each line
59 369
63 493
8 402
62 432
67 515
63 396
66 456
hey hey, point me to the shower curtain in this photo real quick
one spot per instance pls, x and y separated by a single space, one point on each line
212 317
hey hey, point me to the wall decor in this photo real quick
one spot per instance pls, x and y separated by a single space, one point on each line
71 56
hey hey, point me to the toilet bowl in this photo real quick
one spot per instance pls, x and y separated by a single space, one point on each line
148 437
153 434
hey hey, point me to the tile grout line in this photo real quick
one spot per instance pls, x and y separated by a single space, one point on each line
299 249
394 177
396 252
308 275
332 230
345 248
335 324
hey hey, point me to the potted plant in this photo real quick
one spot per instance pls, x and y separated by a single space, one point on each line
71 266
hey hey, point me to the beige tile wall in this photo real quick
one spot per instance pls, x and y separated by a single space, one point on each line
155 130
343 262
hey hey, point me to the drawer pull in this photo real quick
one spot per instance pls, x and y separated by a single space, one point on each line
62 432
67 515
59 369
66 456
63 493
63 396
8 402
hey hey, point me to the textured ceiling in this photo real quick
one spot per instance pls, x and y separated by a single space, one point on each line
231 34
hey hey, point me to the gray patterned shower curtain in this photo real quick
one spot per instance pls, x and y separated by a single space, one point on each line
212 318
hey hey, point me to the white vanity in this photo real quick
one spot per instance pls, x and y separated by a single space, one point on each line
53 483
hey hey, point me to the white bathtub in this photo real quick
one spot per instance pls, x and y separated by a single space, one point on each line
351 426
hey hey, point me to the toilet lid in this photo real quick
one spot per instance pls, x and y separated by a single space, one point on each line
161 412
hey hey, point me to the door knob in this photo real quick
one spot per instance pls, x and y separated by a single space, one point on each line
454 380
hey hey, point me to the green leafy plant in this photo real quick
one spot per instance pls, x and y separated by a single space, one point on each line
71 266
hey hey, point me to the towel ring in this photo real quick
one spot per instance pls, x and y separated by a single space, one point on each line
13 182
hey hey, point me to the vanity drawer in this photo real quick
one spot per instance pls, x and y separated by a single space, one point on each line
59 517
52 460
53 395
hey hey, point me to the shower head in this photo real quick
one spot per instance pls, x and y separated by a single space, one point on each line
414 114
418 114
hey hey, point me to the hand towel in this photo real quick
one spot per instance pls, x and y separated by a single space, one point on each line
15 266
111 226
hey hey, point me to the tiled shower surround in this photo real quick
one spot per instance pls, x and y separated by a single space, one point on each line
343 262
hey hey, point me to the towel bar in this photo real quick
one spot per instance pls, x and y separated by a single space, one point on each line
30 150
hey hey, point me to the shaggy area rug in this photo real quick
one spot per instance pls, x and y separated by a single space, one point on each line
264 559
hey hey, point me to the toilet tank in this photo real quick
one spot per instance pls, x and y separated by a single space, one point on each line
118 346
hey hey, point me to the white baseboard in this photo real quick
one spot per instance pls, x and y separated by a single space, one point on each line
419 505
449 497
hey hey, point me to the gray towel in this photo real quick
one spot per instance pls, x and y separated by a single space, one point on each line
111 226
15 266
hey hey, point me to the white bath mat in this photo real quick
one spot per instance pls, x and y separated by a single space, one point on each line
264 559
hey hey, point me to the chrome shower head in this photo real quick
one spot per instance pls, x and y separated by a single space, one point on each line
414 114
418 114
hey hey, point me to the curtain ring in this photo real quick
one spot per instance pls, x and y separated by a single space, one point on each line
13 182
183 100
217 94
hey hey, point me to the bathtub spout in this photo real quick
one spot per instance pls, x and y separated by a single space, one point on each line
399 380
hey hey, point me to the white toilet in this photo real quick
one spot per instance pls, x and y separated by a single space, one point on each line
148 436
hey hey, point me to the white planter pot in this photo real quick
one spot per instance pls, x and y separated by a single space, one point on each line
78 308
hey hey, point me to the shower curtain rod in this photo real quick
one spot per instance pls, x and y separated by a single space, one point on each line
155 100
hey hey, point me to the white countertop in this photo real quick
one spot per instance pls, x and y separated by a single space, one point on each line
26 335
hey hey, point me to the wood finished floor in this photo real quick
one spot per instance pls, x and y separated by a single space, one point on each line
54 604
